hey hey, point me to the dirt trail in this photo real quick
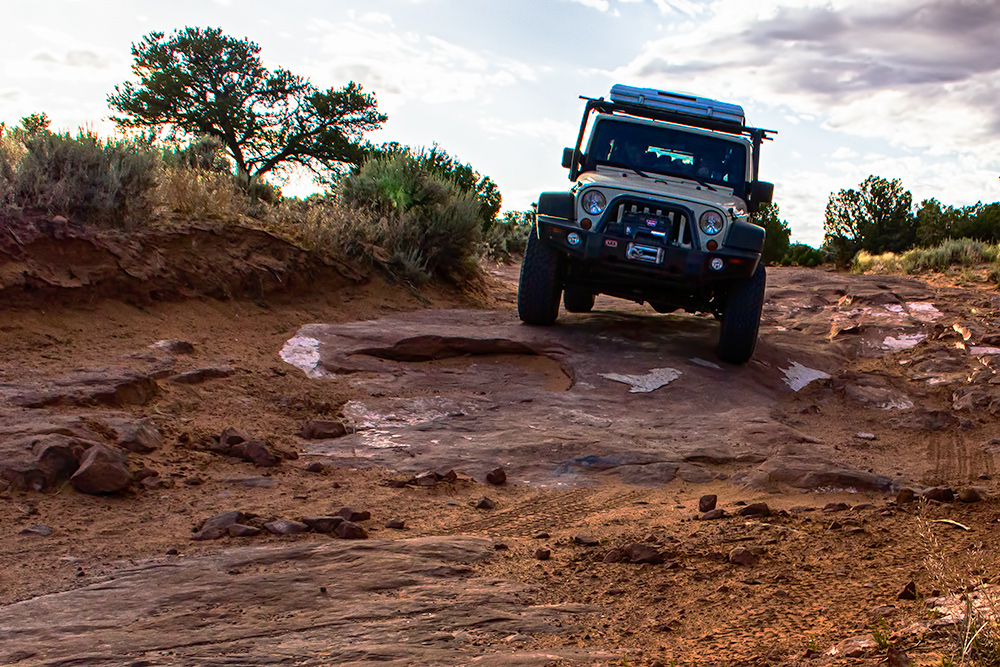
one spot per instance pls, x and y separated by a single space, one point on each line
861 386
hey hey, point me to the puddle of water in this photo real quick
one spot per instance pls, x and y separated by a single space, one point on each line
303 353
643 384
923 310
798 376
902 341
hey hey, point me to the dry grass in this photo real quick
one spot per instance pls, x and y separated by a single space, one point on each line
970 603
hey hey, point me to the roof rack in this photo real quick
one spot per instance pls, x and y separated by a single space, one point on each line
675 116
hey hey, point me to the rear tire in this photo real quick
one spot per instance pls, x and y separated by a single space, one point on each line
578 300
741 319
539 287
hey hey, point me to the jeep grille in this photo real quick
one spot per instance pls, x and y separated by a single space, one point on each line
674 218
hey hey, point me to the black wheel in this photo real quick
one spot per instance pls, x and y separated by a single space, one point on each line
578 300
539 288
741 318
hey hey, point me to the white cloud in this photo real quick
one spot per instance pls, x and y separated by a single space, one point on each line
406 67
599 5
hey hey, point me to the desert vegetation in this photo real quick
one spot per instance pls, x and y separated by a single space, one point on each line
205 126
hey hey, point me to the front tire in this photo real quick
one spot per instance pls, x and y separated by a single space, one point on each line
577 300
539 287
741 319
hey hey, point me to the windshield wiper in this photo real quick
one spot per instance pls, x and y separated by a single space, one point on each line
622 165
690 177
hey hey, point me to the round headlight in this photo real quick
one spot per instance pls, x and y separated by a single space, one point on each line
711 222
594 202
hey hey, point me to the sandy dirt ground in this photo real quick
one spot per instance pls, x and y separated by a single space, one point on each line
816 572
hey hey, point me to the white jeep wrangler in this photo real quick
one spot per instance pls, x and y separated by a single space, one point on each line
659 212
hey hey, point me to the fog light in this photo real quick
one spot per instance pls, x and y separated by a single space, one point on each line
712 245
717 264
574 239
586 223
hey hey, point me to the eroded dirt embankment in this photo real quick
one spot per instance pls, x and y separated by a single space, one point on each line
614 430
43 259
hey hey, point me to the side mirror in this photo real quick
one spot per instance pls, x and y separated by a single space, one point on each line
567 160
761 192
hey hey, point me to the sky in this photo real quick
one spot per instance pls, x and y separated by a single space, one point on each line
906 89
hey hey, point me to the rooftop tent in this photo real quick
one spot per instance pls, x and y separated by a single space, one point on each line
688 105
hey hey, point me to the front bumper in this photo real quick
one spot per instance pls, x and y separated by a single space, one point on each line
601 256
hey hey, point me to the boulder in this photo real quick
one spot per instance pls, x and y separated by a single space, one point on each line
322 429
102 470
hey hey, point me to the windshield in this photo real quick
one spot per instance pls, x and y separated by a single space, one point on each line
663 150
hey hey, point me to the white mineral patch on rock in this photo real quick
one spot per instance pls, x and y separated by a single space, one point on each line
798 376
706 364
980 350
902 341
643 384
303 353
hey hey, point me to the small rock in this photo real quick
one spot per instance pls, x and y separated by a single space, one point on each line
485 503
541 553
153 483
323 524
883 611
349 530
172 552
395 524
316 466
242 530
541 535
353 515
909 591
202 374
215 527
942 494
642 553
984 475
613 556
286 527
905 496
500 546
142 437
970 495
322 429
426 478
829 508
254 482
193 480
586 540
231 437
40 529
707 502
102 470
173 346
755 509
863 507
450 477
865 436
256 452
717 513
741 556
855 647
497 476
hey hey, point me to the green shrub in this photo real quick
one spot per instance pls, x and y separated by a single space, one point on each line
800 254
508 236
953 252
939 258
425 223
10 156
102 181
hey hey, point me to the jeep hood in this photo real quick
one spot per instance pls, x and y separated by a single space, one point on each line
673 188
